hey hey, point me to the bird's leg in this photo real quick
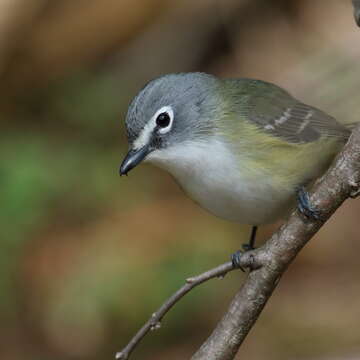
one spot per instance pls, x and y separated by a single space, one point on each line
251 244
235 258
305 207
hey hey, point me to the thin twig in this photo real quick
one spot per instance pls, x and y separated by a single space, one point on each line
154 322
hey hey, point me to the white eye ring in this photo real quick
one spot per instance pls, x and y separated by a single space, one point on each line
168 111
145 134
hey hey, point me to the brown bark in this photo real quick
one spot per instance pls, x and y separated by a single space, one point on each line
339 183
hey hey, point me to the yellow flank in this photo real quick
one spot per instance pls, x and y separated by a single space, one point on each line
286 165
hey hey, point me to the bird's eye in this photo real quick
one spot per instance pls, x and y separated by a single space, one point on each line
163 120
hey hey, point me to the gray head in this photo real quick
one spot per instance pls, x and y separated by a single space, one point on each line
168 111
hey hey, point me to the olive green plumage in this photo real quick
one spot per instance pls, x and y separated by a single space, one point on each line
279 134
277 113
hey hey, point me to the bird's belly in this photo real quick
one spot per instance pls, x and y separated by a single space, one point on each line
238 200
225 186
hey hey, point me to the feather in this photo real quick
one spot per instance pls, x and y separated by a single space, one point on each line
276 112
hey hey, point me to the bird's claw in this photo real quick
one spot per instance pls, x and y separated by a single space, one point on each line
236 257
355 189
247 247
305 207
236 260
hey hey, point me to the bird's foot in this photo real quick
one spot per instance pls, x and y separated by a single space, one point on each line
251 259
355 189
236 260
247 247
305 207
237 257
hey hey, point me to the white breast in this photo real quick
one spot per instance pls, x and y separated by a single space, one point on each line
214 178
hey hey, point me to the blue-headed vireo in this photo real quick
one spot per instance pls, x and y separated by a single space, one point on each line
239 147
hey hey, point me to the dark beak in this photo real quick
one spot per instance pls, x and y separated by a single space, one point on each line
132 159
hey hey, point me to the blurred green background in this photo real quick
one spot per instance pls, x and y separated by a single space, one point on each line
86 256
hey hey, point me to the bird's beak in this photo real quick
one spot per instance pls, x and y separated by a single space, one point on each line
132 159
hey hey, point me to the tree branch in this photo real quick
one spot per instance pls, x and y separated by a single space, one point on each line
267 263
328 193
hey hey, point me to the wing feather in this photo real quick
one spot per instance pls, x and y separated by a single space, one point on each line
280 114
294 121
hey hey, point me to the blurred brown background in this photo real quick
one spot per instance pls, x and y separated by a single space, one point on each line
86 256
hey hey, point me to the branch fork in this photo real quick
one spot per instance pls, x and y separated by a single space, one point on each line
267 263
252 260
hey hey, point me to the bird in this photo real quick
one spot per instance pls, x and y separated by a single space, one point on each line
243 149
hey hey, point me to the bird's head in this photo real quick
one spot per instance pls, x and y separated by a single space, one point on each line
168 113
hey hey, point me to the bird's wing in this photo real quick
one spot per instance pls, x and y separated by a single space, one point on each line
298 123
279 114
